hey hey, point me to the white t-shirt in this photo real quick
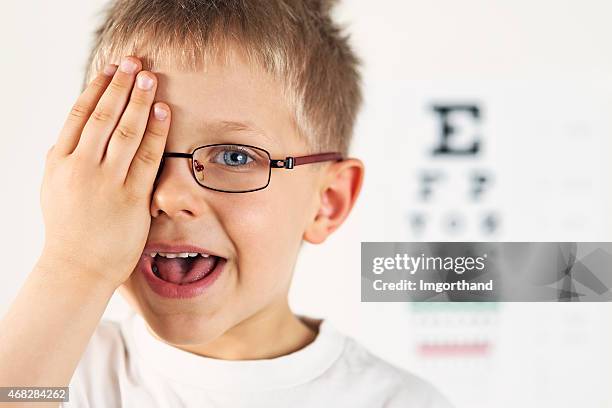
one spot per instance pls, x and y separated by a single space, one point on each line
124 365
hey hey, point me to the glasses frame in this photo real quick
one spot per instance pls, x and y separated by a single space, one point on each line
288 162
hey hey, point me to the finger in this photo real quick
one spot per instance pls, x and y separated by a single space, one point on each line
129 131
108 110
81 110
143 169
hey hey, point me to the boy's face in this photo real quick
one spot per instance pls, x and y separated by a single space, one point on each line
259 233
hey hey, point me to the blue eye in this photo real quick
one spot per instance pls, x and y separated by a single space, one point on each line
234 158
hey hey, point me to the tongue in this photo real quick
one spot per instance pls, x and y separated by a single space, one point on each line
184 270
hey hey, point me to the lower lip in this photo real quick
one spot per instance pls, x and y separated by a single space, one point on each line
172 290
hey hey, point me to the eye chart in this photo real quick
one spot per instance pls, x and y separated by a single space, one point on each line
499 161
494 160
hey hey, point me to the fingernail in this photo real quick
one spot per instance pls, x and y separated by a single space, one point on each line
159 112
144 82
110 69
128 66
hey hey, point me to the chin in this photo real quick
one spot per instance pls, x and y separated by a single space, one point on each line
183 329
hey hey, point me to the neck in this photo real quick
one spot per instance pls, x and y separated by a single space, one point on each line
271 332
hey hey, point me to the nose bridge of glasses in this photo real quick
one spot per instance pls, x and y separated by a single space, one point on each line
174 154
167 155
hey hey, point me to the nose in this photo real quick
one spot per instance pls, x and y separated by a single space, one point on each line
176 193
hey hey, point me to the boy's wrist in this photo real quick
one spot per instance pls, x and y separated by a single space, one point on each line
56 267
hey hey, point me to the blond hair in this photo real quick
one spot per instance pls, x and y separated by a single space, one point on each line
294 40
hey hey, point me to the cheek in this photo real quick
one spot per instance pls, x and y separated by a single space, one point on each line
266 231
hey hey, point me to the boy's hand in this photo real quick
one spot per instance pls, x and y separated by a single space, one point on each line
99 175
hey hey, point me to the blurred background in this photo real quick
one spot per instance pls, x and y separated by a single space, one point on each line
483 120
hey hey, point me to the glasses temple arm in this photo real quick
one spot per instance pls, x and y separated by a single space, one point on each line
290 162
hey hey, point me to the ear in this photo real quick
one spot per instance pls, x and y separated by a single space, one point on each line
338 193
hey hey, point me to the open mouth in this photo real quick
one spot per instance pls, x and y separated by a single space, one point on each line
182 268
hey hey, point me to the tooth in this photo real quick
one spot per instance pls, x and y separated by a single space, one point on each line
178 254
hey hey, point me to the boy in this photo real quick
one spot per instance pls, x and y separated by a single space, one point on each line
199 223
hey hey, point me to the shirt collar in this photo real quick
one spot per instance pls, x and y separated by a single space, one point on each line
246 375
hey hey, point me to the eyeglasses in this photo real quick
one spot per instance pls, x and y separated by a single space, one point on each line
239 168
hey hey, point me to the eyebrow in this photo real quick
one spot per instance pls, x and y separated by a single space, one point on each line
238 126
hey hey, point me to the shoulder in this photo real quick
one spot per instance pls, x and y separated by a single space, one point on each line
106 346
102 362
396 386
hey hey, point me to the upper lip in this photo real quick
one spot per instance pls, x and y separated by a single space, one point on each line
176 248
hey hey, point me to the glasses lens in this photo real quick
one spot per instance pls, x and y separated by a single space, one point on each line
231 167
